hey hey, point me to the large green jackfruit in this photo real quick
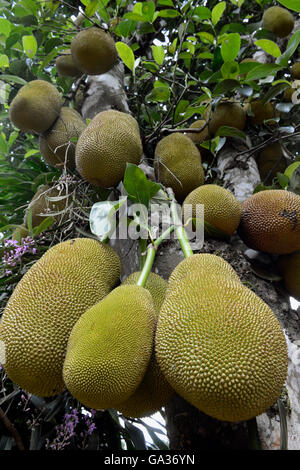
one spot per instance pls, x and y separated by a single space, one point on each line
67 280
57 146
110 141
278 20
110 347
35 107
221 347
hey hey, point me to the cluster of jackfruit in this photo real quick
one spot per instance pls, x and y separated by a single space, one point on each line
219 345
270 222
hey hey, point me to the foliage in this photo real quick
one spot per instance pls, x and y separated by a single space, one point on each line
180 59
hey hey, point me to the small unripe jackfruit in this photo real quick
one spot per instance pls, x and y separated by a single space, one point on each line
178 165
110 347
35 107
154 390
110 141
221 347
37 321
94 51
262 112
222 210
295 70
56 146
270 221
278 20
65 65
227 114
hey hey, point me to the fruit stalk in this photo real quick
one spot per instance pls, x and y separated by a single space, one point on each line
179 229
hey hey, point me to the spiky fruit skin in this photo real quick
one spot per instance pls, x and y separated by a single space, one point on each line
262 112
154 390
221 347
35 107
269 162
198 137
37 321
295 70
178 164
202 263
222 210
289 265
110 347
41 204
278 20
56 146
110 141
65 65
94 51
227 114
270 222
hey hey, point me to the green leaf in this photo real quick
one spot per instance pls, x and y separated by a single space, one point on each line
5 27
227 131
217 12
230 47
158 54
167 3
4 61
262 71
138 187
148 10
3 144
269 46
230 69
291 168
291 4
126 54
225 85
283 180
160 94
91 8
274 91
169 13
290 49
29 45
203 13
31 152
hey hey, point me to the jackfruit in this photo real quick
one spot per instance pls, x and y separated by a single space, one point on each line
227 114
279 21
65 65
154 390
221 347
41 204
110 347
270 221
56 146
67 280
204 264
111 140
94 51
35 107
262 112
178 164
198 137
222 210
288 93
269 162
295 70
289 266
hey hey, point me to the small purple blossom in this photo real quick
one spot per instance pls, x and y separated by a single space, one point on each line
13 252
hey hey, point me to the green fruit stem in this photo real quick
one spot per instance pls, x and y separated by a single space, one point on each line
179 229
151 252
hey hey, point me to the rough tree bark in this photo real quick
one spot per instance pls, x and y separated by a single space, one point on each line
188 428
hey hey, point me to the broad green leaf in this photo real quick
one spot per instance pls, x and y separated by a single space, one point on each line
230 47
290 49
268 46
126 27
262 71
31 152
91 8
13 79
283 180
291 4
206 37
158 54
29 45
203 13
4 61
230 69
138 187
102 11
126 54
5 27
167 3
148 10
169 13
159 94
180 109
227 131
291 168
217 12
